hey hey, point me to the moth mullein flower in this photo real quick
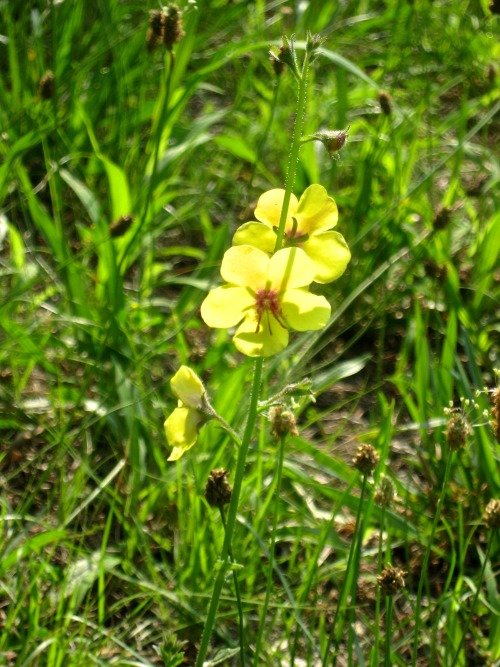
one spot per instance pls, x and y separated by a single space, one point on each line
308 226
181 427
265 297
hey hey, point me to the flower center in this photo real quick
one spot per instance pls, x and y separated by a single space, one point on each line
294 237
267 301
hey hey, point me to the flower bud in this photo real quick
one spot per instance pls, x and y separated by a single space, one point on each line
391 580
332 140
366 459
313 42
218 491
286 55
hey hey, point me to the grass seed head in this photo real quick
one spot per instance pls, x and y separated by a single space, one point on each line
366 459
385 101
172 31
385 492
391 580
46 85
442 218
218 491
282 421
457 431
491 516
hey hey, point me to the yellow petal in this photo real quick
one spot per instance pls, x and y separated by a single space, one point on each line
188 387
245 266
270 339
316 211
269 208
256 234
304 311
330 255
225 306
290 267
181 429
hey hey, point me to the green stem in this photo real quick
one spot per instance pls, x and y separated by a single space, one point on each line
357 535
425 563
277 494
388 630
474 601
231 517
238 598
375 661
294 152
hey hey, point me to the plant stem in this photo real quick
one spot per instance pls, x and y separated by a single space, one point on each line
380 559
357 535
294 151
231 517
388 630
474 601
425 562
277 494
238 598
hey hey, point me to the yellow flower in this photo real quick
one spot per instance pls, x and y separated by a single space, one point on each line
265 296
307 226
181 427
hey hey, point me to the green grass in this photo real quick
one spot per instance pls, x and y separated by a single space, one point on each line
107 552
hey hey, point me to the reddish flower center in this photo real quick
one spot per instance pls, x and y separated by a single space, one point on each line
267 301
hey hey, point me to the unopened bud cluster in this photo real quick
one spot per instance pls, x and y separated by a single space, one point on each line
366 459
282 421
165 27
218 491
391 580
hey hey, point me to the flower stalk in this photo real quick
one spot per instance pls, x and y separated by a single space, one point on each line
225 561
293 158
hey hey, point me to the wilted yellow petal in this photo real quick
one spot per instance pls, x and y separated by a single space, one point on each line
330 255
316 211
304 311
225 306
188 387
269 208
256 234
245 266
181 429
